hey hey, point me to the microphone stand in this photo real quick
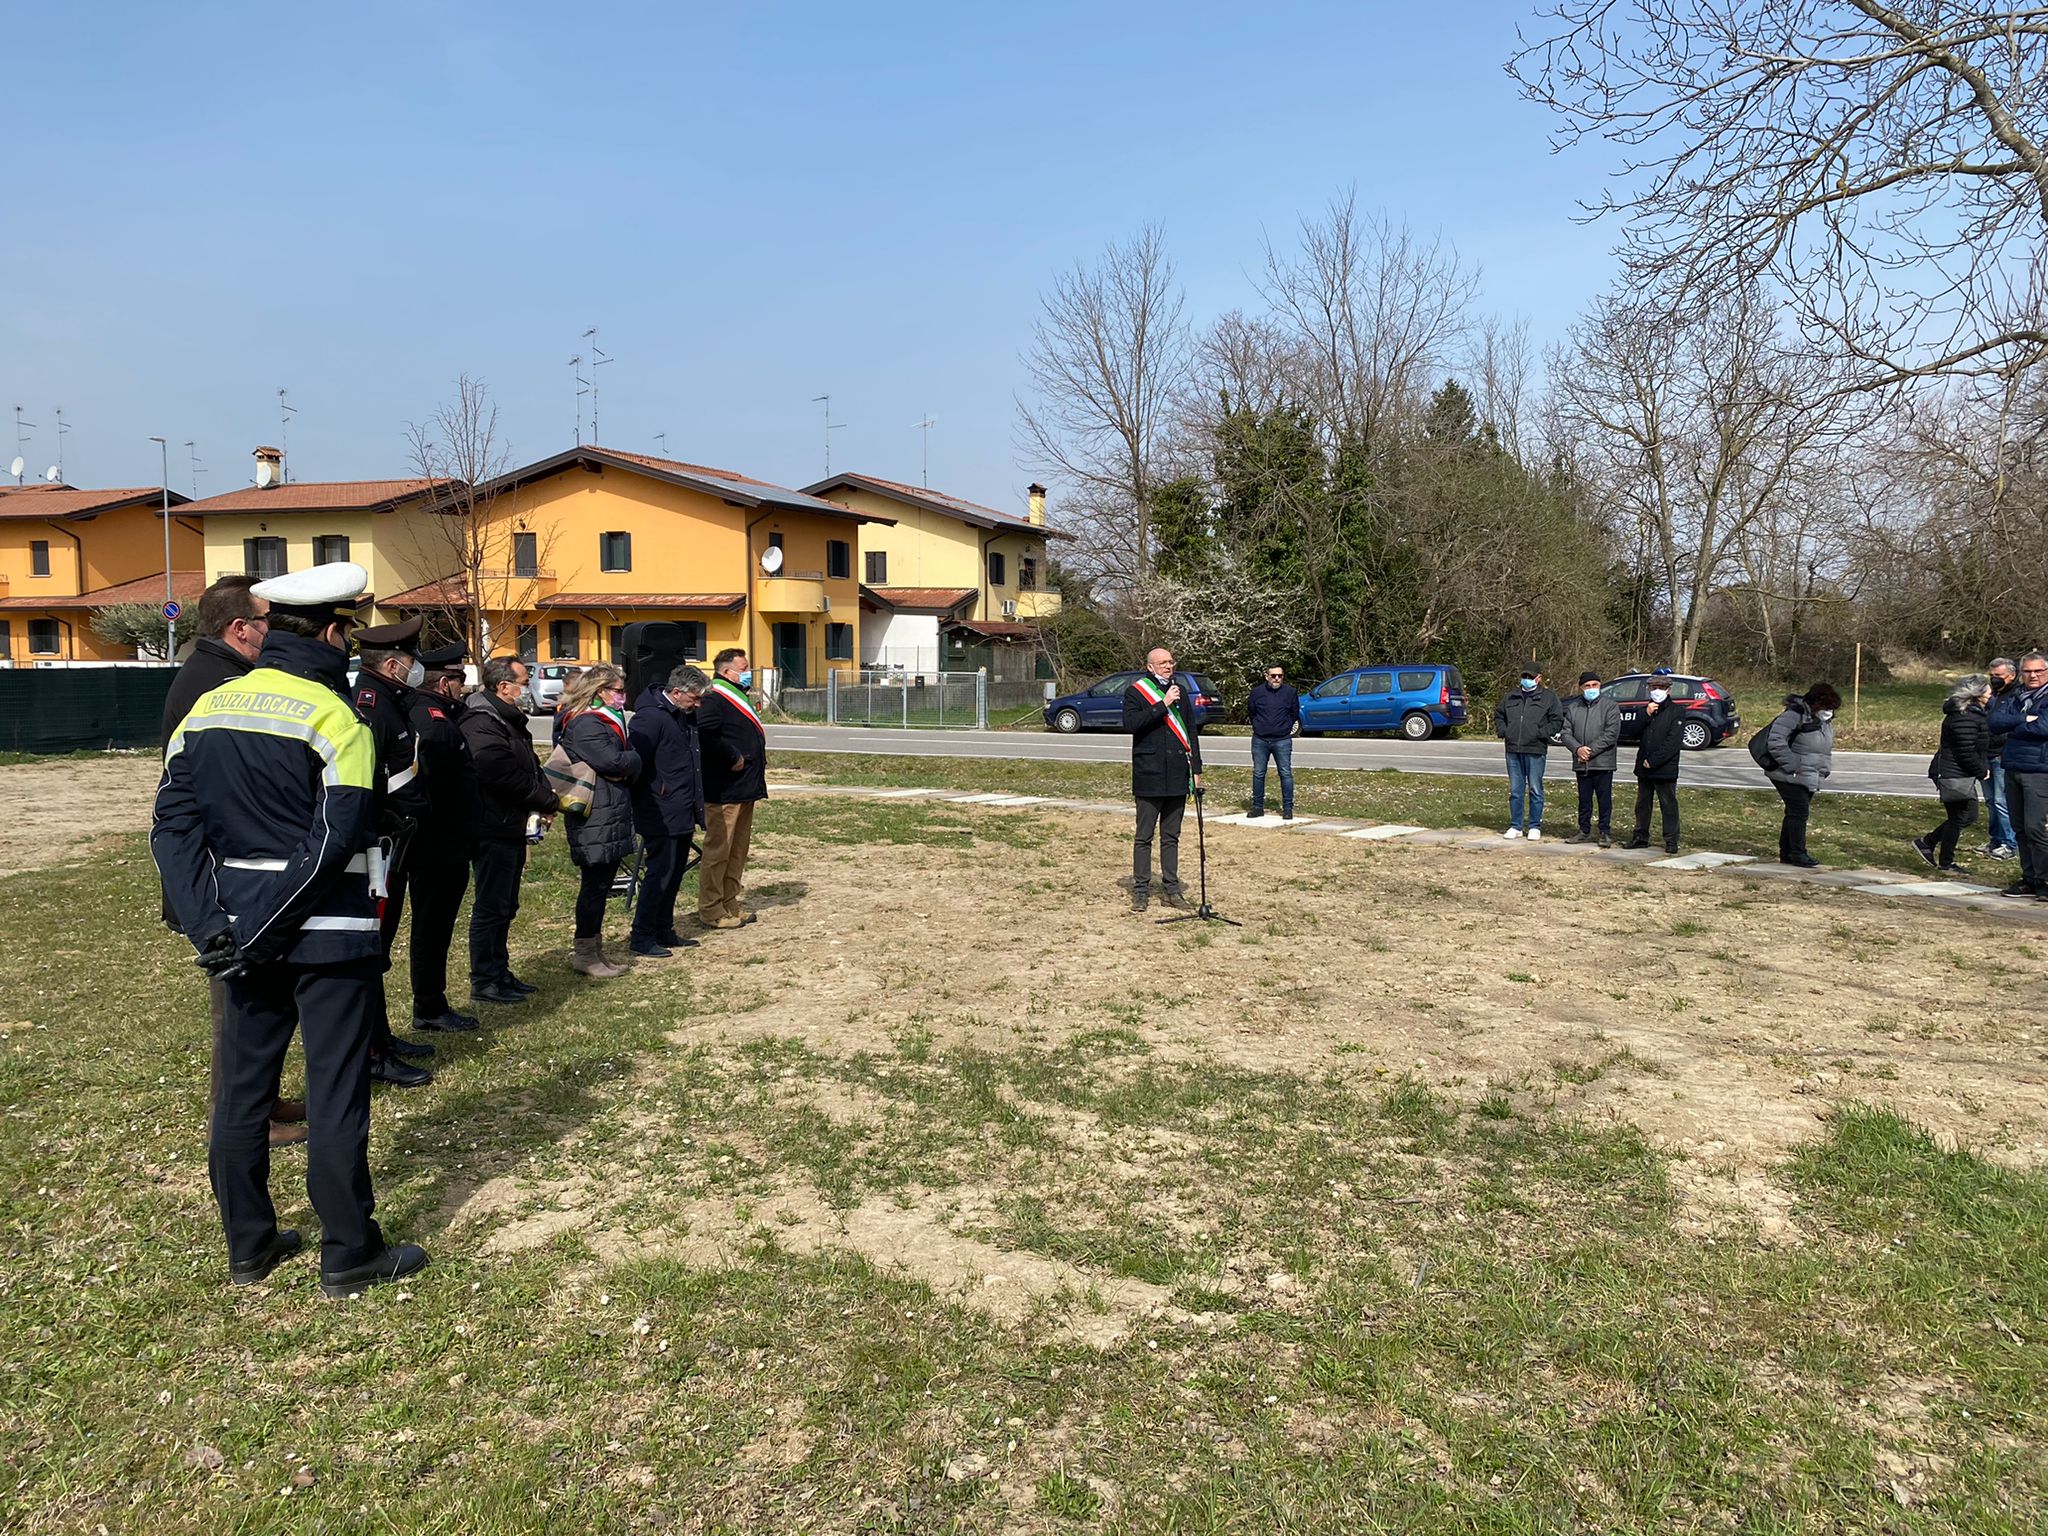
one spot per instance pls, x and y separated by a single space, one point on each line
1203 911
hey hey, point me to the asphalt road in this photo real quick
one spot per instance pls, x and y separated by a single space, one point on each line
1729 767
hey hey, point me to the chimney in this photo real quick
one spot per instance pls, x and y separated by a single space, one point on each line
1037 494
269 467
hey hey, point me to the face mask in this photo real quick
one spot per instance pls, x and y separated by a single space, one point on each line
1824 714
415 674
1591 695
1528 683
747 678
1659 695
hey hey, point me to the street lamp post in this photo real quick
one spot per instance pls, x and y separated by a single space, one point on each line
171 641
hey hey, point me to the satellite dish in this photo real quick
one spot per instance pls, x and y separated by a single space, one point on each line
16 467
266 473
50 474
771 560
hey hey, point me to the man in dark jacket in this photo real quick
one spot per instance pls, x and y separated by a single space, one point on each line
445 843
1657 758
389 671
734 752
232 623
2000 843
668 804
1275 710
267 866
2022 718
510 789
1592 732
1166 761
1527 721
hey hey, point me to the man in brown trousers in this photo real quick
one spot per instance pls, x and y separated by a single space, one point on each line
734 747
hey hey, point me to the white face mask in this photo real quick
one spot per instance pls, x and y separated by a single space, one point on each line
415 674
1659 695
1824 714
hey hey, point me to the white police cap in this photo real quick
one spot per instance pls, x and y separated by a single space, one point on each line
325 592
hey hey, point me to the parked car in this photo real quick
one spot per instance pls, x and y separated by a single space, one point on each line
1710 713
1417 699
1100 706
544 685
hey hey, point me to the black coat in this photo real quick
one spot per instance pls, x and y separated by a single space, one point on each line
605 835
509 782
733 751
448 773
1996 749
668 797
1528 721
1965 751
386 708
1663 743
211 663
1160 766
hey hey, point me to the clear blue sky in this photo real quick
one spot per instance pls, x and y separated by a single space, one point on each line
754 203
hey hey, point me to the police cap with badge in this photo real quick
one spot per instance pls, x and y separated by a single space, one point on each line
403 637
447 660
321 594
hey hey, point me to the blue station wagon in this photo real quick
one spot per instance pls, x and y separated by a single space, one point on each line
1417 700
1100 706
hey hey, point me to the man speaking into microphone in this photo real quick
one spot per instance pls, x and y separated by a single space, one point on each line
1166 761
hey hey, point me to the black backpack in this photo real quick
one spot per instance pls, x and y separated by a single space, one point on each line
1760 744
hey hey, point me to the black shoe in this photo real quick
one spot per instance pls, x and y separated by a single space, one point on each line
448 1021
1287 815
417 1048
1580 837
1801 861
253 1271
650 948
1638 841
389 1069
1606 841
495 992
1253 815
1177 900
1670 850
1950 869
2019 890
1140 900
1926 851
675 940
511 983
394 1263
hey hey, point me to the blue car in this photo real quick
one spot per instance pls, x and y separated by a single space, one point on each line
1418 700
1100 706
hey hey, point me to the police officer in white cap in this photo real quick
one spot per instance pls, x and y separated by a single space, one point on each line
263 834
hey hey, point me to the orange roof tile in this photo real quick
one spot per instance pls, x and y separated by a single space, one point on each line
185 587
315 496
47 501
921 597
955 506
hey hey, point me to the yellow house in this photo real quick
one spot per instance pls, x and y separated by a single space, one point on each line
278 525
950 584
578 546
65 552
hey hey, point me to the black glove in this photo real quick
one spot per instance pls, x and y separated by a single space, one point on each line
220 958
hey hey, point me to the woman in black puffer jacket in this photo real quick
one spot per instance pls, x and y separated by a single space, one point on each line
1963 760
590 723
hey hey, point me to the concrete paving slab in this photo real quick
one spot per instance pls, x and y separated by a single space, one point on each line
1949 888
1703 861
1383 833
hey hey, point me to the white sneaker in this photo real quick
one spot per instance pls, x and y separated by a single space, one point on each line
1535 834
1512 832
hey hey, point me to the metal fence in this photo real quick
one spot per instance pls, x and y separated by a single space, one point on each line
74 709
955 700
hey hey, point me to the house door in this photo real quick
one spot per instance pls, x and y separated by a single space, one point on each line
790 651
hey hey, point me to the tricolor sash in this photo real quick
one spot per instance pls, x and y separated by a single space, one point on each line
1154 694
738 701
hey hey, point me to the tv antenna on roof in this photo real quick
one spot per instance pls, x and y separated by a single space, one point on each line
598 358
192 449
831 426
61 430
20 442
285 413
54 475
661 442
17 467
925 427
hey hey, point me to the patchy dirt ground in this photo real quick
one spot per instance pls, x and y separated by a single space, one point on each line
1720 1015
52 812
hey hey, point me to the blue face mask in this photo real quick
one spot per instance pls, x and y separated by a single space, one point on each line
1528 683
747 678
1592 695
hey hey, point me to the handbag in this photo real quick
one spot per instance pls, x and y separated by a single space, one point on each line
574 783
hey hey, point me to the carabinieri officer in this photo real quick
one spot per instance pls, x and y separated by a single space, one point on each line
445 843
262 833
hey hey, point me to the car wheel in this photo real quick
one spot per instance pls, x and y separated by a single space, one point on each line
1416 726
1696 735
1067 721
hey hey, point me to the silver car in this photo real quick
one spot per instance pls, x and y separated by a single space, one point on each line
544 685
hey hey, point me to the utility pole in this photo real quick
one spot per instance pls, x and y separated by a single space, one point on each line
831 426
925 427
164 458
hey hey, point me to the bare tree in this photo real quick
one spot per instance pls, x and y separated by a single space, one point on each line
1881 162
1693 421
1107 362
1375 313
462 537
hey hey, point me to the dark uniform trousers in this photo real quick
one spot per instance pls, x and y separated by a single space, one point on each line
437 877
1164 813
390 913
500 861
656 913
330 1005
